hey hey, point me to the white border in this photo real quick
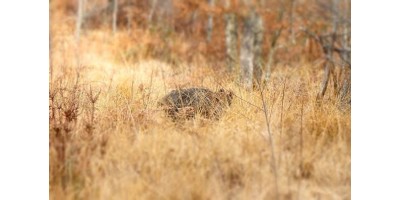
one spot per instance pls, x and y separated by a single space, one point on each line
24 100
24 67
375 100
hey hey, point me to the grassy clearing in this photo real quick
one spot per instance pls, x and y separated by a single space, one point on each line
108 139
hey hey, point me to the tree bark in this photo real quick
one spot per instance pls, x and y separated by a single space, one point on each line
291 31
335 13
231 36
210 21
258 31
272 49
325 80
115 16
79 19
129 16
346 58
247 52
328 45
153 7
271 53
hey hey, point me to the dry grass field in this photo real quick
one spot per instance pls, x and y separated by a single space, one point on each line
109 140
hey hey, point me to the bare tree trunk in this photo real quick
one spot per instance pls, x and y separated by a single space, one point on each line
129 16
291 31
335 11
325 80
258 30
114 16
79 19
247 52
193 19
210 21
346 65
328 50
153 7
231 38
273 46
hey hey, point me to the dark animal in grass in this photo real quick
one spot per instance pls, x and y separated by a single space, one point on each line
186 103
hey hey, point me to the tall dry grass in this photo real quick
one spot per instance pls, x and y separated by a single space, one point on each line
108 139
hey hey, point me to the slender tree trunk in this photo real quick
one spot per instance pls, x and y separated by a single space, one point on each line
115 16
193 19
79 19
153 7
335 11
129 16
291 31
258 30
210 21
345 87
272 49
328 50
231 36
325 80
247 52
271 53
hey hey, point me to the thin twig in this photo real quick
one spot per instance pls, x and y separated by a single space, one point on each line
301 148
271 143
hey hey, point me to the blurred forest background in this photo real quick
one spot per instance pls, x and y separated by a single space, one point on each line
249 37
